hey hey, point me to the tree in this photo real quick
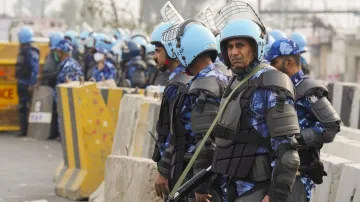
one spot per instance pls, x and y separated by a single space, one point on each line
34 8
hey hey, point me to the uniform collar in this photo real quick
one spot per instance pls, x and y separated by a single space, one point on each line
244 72
177 70
203 72
298 77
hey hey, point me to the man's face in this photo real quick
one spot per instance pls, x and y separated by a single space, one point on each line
240 53
278 63
160 56
100 65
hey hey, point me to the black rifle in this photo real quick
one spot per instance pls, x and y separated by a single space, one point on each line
190 185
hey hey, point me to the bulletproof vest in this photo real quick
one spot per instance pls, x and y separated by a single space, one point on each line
163 125
161 78
50 69
310 87
310 157
170 120
237 140
139 76
23 63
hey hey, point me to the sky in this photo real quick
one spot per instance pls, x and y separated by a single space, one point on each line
341 21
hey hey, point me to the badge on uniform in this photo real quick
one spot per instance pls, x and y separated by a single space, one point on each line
313 99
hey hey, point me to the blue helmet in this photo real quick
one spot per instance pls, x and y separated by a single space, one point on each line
269 42
72 36
242 28
158 31
84 35
64 46
55 38
150 49
300 40
193 39
119 33
25 35
117 50
142 40
277 34
130 50
156 37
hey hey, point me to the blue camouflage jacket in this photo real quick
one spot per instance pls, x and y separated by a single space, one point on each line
69 68
109 72
32 57
306 120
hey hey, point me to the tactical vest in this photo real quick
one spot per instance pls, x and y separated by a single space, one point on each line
310 157
139 76
50 71
23 64
237 140
202 116
163 124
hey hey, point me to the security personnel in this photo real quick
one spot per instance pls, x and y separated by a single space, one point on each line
167 62
135 70
49 76
301 41
104 70
69 67
255 134
318 120
197 104
51 65
155 76
90 50
72 36
27 68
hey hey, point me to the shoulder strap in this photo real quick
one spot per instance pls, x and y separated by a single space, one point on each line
202 143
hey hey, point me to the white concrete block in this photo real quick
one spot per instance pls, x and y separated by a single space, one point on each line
343 148
337 96
142 144
350 133
130 179
349 185
125 126
355 109
326 192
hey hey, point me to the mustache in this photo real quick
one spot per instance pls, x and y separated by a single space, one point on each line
156 60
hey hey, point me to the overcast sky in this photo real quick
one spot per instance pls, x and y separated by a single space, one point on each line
338 20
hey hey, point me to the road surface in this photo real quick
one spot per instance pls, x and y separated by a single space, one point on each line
27 169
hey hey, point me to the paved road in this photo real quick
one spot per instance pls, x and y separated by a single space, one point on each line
27 168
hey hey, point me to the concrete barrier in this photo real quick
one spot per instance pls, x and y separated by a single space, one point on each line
130 179
137 116
343 148
142 144
342 100
349 184
350 133
355 110
87 134
327 191
125 126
